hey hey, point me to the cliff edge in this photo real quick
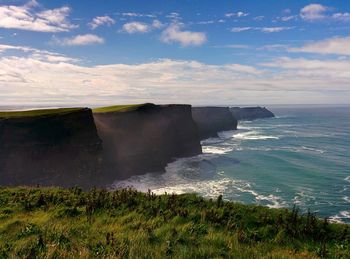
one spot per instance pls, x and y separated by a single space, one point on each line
143 138
251 113
211 120
57 147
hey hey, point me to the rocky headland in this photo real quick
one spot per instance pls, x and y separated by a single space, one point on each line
251 113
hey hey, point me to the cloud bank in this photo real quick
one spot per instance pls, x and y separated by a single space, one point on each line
51 79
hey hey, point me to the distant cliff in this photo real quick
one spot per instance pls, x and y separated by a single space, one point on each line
49 147
144 138
211 120
251 113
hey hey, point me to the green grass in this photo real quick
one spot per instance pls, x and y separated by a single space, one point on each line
118 108
39 112
70 223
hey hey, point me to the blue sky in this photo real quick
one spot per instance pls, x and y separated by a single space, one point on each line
195 51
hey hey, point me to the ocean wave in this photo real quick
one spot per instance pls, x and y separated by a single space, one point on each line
346 198
198 175
253 135
304 196
342 217
313 150
347 179
216 150
276 201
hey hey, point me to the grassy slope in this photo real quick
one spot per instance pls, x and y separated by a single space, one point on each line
117 108
40 112
59 223
34 113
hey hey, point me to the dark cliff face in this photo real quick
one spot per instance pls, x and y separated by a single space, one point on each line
146 139
54 149
251 113
211 120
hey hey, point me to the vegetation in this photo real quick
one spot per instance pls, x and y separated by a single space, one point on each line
118 108
39 112
70 223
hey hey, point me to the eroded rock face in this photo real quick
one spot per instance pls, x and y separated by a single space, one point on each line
58 149
251 113
146 139
211 120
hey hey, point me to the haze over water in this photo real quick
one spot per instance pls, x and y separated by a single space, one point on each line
300 157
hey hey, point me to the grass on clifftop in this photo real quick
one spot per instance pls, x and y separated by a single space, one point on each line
39 112
118 108
70 223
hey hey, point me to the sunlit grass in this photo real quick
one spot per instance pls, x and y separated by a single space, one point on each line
60 223
39 112
117 108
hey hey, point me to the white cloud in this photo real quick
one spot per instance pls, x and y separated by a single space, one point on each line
318 12
240 29
259 18
337 70
338 46
313 12
238 14
131 14
262 29
345 17
157 24
288 18
42 55
186 38
136 27
101 20
174 16
233 46
140 27
86 39
274 47
27 17
274 29
285 80
206 22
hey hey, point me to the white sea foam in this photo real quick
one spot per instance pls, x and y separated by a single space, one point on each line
304 196
276 201
321 151
341 217
346 198
347 179
253 135
216 150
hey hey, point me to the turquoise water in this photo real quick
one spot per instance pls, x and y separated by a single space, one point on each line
300 157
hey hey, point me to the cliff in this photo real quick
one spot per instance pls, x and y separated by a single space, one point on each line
251 113
211 120
144 138
49 147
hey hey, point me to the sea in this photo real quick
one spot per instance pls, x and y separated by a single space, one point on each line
301 157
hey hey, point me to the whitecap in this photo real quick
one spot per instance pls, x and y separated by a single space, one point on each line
346 198
336 219
347 179
216 150
341 217
321 151
253 135
276 201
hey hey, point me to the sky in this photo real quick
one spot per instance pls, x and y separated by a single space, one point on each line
202 52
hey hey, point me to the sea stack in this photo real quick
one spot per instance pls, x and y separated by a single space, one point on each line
251 113
56 147
211 120
143 138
